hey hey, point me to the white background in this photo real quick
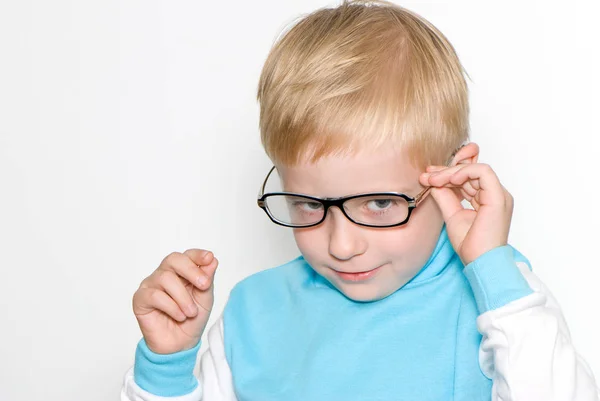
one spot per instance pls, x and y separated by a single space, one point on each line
129 130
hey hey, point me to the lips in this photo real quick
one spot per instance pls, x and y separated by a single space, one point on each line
357 277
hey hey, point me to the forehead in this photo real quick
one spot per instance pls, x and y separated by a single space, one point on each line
386 169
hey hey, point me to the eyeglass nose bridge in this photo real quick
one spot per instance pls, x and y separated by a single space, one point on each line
339 202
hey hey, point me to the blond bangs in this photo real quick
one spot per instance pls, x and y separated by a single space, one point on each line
362 76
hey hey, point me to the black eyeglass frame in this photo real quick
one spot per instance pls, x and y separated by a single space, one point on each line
339 202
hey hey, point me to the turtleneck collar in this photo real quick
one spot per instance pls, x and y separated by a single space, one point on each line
441 257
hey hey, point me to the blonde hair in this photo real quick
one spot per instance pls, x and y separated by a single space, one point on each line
358 76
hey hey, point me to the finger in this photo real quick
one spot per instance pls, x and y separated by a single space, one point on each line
199 256
483 179
205 298
203 258
147 300
210 270
431 169
466 190
457 181
465 194
469 189
451 185
442 171
460 174
437 177
186 268
173 285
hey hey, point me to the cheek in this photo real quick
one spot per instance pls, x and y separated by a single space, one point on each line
308 241
410 245
396 243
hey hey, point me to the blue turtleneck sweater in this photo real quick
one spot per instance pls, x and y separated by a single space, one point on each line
290 335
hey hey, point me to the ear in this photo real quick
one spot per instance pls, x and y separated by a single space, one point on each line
469 153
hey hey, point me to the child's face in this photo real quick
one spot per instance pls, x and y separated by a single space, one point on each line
338 245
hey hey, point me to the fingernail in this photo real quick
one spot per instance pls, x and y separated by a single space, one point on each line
201 281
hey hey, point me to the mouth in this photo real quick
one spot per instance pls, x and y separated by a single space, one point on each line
357 277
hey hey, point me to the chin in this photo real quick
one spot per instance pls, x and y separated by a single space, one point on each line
362 292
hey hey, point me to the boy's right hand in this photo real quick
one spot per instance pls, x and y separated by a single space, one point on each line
173 304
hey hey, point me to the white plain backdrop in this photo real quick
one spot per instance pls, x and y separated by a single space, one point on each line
129 130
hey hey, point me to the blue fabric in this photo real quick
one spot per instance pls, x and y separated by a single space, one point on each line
290 335
166 375
496 279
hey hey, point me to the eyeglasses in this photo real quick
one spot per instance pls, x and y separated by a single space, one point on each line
391 209
374 209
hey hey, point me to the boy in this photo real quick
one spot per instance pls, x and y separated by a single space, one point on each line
400 293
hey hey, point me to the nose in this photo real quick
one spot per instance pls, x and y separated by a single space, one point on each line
345 239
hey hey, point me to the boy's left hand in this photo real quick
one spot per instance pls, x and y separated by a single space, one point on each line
471 232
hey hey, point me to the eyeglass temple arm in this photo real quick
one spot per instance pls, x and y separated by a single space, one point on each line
261 191
421 196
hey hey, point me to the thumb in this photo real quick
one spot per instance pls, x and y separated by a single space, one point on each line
204 297
448 201
210 270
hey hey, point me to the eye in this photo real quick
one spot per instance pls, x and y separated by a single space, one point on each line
313 205
377 205
308 206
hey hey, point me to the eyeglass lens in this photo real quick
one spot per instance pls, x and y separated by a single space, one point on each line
376 210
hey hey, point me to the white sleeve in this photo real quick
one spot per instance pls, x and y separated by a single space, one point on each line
215 375
527 351
214 381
